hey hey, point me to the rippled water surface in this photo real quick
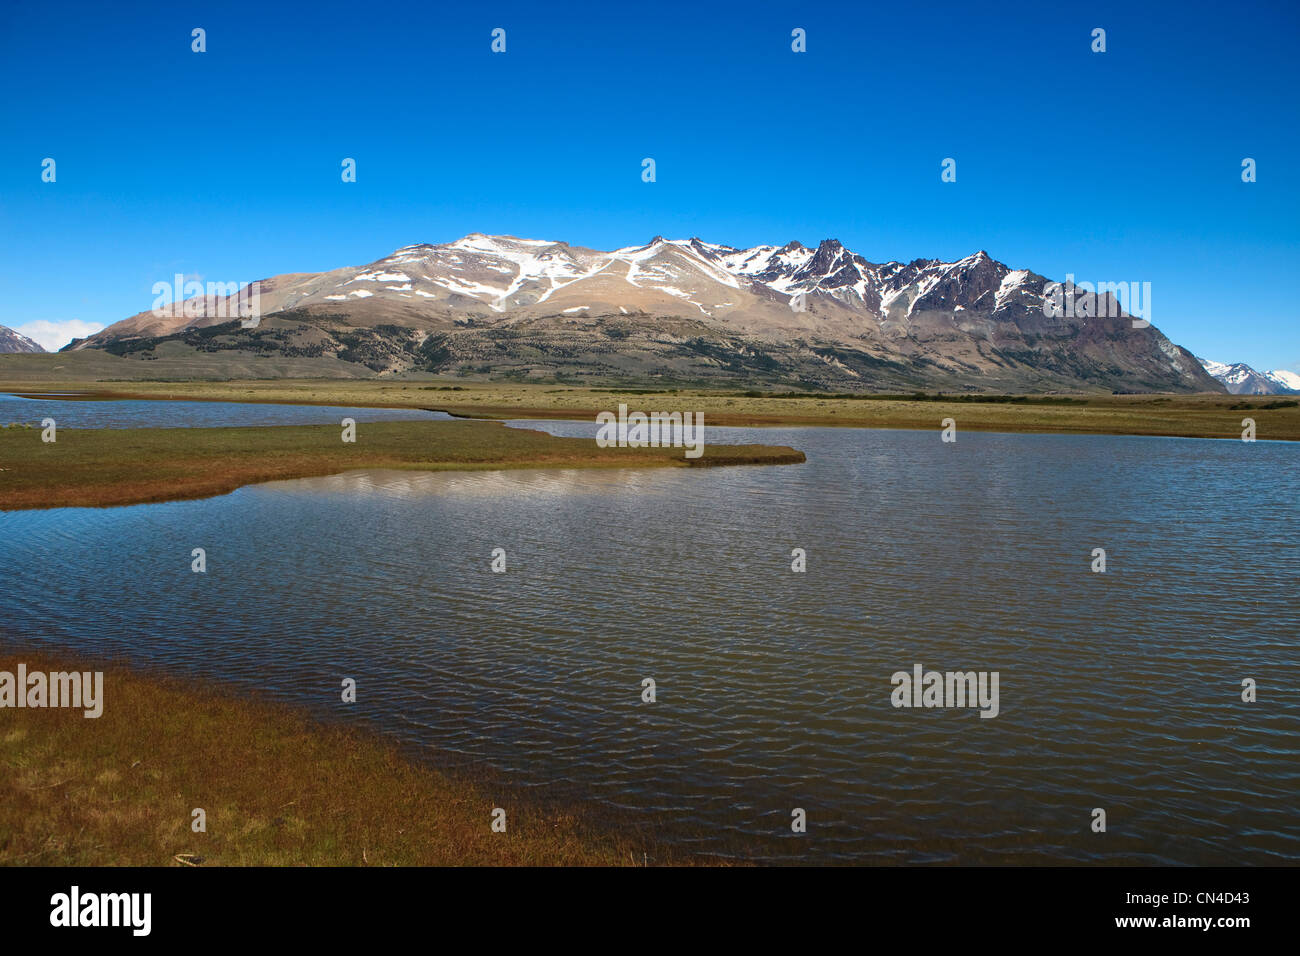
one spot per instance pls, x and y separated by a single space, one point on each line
132 413
1118 690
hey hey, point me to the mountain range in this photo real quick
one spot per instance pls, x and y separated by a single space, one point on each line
681 311
1240 379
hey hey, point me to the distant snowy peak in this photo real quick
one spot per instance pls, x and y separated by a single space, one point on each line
774 266
1240 379
11 341
506 272
1288 380
880 288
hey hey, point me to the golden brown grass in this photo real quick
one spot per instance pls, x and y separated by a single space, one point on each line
1188 416
277 789
99 467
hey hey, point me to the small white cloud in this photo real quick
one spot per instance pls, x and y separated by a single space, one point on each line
52 336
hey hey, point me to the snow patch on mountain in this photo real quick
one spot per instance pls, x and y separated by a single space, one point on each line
1287 379
1174 354
1240 379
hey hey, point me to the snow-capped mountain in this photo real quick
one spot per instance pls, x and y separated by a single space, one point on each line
685 308
1287 379
11 341
1240 379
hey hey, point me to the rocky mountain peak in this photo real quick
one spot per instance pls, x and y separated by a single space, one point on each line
11 341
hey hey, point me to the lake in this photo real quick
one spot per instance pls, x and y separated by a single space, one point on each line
139 413
1118 690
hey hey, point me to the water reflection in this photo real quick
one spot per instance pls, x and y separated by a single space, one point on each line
1119 690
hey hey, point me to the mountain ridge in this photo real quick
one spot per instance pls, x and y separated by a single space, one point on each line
686 309
12 342
1240 379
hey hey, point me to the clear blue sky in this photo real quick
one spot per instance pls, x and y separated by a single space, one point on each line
1116 166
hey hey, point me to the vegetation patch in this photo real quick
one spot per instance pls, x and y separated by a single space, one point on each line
275 788
117 466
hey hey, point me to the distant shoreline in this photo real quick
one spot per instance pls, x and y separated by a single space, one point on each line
1277 417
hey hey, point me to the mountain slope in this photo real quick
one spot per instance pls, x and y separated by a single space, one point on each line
684 310
11 341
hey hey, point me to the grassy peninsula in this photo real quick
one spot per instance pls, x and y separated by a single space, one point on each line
100 467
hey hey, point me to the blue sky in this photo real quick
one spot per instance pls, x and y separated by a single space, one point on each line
1122 166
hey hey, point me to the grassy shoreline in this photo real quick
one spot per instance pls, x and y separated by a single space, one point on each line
277 789
1182 416
108 467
